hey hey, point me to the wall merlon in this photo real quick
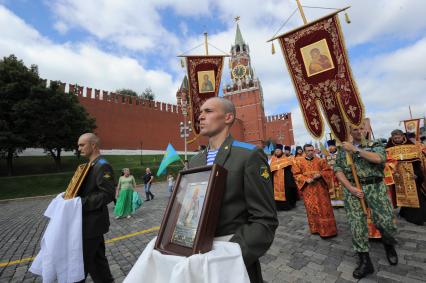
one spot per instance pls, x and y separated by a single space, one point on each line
103 96
279 117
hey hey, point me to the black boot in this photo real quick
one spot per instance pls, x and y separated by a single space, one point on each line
146 197
365 266
391 254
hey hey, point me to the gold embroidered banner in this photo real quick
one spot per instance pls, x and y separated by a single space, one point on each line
318 64
403 176
404 152
204 74
405 185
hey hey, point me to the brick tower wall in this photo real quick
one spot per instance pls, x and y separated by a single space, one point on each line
250 110
279 128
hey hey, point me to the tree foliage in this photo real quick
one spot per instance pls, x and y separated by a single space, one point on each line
147 94
54 119
16 82
33 115
127 91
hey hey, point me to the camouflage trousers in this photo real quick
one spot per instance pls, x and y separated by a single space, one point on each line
382 215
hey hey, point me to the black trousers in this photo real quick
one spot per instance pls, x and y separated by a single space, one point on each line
255 272
95 261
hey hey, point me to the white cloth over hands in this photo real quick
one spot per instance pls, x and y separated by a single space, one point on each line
61 254
223 264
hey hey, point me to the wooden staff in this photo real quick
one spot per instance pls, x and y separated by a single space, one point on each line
301 12
206 45
350 162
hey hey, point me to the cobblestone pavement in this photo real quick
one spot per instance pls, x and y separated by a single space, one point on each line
295 256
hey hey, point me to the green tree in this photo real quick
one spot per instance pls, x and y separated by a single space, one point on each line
16 82
127 91
148 94
54 120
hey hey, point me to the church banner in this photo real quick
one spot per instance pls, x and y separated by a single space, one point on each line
413 126
318 64
204 75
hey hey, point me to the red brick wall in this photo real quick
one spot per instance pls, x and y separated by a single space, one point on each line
280 129
250 111
124 125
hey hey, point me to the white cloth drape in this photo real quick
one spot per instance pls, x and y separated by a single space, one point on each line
61 254
224 263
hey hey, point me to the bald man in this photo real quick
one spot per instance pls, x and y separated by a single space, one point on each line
96 192
248 215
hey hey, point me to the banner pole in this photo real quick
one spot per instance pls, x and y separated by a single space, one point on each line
206 43
356 179
301 12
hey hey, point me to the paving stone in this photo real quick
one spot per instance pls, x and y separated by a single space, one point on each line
418 274
346 266
295 256
390 275
330 278
297 264
342 280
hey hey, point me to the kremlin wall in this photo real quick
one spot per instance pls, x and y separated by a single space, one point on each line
131 123
125 122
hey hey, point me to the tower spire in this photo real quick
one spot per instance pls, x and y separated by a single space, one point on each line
184 85
238 36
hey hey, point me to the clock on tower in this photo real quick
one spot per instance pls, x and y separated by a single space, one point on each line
239 71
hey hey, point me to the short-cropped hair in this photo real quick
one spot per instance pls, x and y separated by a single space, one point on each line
307 145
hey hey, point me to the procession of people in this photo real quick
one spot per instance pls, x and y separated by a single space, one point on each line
325 182
220 235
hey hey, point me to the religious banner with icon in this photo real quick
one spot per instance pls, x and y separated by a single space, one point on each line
413 126
204 74
318 64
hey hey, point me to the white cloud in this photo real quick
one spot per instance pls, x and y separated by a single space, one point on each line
61 27
82 63
135 24
388 81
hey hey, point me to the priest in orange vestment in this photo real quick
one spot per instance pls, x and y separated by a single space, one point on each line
285 189
310 173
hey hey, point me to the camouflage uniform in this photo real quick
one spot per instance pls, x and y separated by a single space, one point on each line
375 195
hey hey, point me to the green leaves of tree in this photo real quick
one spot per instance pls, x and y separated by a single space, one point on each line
33 115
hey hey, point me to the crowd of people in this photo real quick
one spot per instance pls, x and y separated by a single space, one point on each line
390 181
370 179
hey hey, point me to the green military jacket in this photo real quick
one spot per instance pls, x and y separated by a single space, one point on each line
248 209
363 167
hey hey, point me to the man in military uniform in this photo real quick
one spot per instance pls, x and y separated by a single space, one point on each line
97 190
369 162
248 215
